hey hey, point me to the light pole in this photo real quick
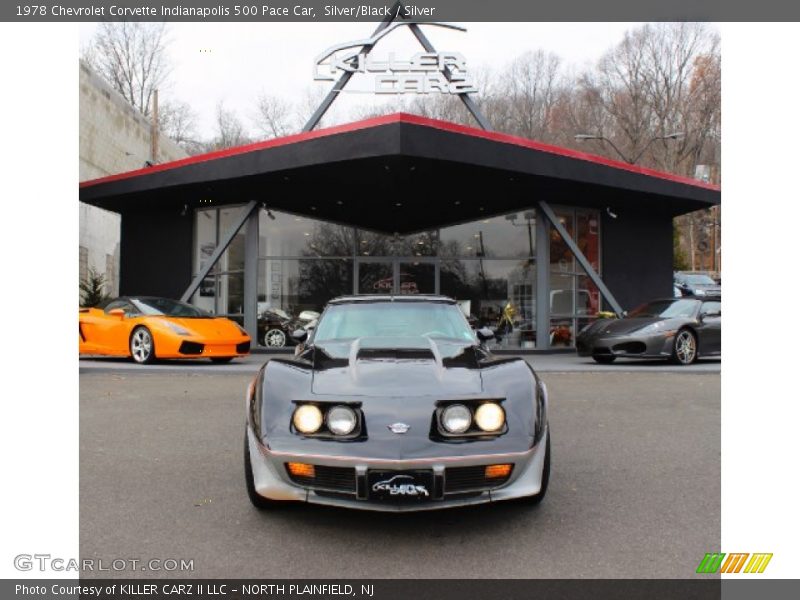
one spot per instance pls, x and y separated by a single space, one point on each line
632 161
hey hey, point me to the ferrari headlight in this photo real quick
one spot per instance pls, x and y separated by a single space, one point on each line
177 328
341 420
307 418
456 418
490 417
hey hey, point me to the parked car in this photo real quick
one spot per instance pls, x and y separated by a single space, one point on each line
275 326
146 328
679 329
691 283
395 404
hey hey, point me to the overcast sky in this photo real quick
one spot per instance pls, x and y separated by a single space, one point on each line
236 62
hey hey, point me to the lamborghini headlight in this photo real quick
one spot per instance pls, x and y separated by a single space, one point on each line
490 417
307 418
177 328
456 418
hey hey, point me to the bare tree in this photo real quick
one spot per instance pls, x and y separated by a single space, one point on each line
178 121
230 130
131 56
274 116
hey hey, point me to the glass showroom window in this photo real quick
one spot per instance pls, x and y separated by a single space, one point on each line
574 299
221 292
293 291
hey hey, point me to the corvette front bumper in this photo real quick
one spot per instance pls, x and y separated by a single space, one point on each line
272 481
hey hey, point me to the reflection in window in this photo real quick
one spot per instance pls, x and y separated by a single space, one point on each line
512 235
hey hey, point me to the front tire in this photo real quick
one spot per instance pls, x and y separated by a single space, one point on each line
275 338
142 347
256 499
684 347
604 359
537 498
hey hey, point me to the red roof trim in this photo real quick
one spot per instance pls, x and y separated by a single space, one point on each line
414 120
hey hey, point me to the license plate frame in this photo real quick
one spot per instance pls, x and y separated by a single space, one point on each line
414 485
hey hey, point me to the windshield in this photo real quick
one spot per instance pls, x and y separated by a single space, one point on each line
393 319
666 309
700 280
168 308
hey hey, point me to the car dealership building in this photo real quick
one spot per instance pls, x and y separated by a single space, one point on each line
530 238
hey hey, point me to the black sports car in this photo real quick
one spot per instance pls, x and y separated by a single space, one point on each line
696 284
394 404
680 329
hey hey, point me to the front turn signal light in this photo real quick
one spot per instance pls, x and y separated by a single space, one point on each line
300 469
497 471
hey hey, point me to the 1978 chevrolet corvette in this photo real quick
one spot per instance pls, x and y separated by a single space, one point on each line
394 404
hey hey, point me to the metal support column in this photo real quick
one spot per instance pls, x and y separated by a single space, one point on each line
223 245
542 282
545 209
468 102
251 276
346 76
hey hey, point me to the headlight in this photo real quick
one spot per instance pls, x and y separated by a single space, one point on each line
307 418
341 420
654 328
490 417
456 418
699 292
177 328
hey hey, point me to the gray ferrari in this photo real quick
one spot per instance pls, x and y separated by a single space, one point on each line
677 329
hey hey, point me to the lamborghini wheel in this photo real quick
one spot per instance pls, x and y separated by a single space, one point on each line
142 348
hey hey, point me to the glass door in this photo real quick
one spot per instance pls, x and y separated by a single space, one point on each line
396 276
375 276
416 277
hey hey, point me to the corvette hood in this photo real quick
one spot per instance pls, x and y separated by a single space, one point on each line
383 367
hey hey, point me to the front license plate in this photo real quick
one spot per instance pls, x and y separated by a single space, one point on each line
401 485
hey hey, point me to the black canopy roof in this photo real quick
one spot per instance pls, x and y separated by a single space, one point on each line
399 173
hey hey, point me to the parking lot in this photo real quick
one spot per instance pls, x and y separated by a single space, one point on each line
634 492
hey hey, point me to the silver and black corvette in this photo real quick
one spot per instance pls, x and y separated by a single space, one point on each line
395 404
679 329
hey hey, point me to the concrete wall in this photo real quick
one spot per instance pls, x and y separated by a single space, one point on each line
113 138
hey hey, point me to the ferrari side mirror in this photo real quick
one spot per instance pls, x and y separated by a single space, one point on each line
117 312
300 335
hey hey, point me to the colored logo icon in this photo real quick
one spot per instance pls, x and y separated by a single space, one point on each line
714 562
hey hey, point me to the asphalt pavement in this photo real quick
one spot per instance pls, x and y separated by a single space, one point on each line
559 362
634 492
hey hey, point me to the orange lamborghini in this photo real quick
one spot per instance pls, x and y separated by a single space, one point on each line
146 328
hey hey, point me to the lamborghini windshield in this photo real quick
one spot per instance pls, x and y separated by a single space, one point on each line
168 308
436 320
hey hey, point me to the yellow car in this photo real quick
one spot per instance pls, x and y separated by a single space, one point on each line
146 328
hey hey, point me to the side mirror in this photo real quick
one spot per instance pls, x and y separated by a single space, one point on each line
117 312
485 334
300 335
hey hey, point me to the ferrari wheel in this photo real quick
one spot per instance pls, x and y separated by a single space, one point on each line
604 359
537 498
275 338
222 359
256 499
142 347
684 348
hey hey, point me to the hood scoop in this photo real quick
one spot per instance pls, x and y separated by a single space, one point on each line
395 367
